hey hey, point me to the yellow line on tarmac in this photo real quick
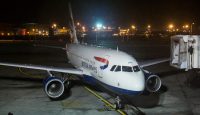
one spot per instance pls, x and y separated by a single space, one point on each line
105 101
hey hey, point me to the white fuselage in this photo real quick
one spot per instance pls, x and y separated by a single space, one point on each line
115 70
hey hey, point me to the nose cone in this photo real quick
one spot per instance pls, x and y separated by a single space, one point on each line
138 81
130 83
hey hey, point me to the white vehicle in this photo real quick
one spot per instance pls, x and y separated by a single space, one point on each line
114 70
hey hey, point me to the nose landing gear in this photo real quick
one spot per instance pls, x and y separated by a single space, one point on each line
118 103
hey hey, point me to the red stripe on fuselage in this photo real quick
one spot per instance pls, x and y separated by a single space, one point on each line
103 60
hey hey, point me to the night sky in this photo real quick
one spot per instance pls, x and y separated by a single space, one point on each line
112 12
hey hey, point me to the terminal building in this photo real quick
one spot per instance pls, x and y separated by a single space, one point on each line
33 29
6 29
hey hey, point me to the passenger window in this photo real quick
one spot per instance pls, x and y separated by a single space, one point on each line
136 68
113 67
127 69
118 68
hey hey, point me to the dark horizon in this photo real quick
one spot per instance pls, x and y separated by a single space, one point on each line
110 12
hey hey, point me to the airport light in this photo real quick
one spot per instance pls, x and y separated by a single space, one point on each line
99 26
54 25
47 33
149 26
171 26
133 27
78 24
191 27
39 32
83 28
186 26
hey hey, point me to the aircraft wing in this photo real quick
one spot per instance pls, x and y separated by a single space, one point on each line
152 62
46 68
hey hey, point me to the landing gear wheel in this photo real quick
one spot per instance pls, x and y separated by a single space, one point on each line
118 103
66 79
118 106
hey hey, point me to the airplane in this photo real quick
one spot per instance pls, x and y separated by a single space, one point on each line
114 70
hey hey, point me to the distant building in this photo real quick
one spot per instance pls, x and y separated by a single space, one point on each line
104 31
61 31
33 29
6 29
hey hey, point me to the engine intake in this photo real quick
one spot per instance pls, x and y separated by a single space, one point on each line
54 87
153 83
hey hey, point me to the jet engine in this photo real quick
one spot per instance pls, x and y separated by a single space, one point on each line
153 82
54 87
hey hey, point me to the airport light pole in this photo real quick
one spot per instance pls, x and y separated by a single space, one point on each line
98 29
191 28
96 36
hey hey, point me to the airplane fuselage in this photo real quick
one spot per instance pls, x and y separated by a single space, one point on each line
114 70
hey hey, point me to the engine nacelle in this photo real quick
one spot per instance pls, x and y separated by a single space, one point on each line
153 82
54 87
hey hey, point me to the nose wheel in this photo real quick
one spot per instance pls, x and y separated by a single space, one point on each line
118 103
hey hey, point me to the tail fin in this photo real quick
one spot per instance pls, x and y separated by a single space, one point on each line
73 30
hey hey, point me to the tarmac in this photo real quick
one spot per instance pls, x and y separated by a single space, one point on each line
22 94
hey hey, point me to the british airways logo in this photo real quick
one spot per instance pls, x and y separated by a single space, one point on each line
102 60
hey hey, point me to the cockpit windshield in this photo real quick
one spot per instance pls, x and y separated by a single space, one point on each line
136 68
127 69
113 67
118 68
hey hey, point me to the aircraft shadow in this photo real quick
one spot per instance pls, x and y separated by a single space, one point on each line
147 100
143 100
17 78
